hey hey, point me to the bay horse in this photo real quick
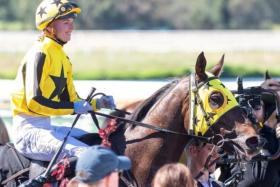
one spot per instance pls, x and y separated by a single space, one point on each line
198 105
170 108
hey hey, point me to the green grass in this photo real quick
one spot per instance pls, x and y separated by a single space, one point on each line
144 65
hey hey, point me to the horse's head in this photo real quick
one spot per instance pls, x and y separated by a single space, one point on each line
214 110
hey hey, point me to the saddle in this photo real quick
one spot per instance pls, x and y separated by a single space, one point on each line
16 168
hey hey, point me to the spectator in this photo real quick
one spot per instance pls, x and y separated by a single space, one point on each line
99 167
175 175
197 155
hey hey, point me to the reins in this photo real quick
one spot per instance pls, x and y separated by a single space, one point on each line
194 88
153 127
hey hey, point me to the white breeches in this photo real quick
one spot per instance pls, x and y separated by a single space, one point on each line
37 139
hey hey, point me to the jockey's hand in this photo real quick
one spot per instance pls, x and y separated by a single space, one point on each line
82 107
106 101
277 130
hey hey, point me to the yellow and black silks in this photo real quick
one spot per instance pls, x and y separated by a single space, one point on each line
44 83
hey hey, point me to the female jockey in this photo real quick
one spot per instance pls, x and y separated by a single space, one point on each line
45 87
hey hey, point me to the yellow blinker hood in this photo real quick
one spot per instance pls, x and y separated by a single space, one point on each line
199 121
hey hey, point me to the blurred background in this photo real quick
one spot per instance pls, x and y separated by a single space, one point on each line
154 14
130 48
152 39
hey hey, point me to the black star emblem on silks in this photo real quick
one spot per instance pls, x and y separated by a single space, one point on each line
57 2
59 83
42 11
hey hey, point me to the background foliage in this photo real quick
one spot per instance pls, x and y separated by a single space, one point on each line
157 15
154 14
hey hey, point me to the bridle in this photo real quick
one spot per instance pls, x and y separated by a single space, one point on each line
203 116
208 116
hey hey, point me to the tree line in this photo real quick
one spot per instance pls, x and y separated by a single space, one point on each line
154 14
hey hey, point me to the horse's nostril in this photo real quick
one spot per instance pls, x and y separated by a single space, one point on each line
252 142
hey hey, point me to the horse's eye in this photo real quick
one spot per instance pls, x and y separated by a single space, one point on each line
216 100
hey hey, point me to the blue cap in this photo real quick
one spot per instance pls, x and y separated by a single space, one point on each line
97 162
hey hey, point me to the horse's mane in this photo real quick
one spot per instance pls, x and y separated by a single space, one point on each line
144 107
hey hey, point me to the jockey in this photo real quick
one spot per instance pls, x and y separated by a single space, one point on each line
44 87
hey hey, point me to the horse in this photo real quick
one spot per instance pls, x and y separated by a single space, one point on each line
169 108
261 172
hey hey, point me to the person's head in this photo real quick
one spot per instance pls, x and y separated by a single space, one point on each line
56 18
174 174
99 166
198 152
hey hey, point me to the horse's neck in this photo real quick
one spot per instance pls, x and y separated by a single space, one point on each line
150 149
168 112
169 108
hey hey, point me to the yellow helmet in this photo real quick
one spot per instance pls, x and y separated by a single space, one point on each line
49 10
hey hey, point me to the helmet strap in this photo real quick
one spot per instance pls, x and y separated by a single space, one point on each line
51 34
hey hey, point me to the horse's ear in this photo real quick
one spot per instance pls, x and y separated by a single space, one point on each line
218 68
200 67
267 76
